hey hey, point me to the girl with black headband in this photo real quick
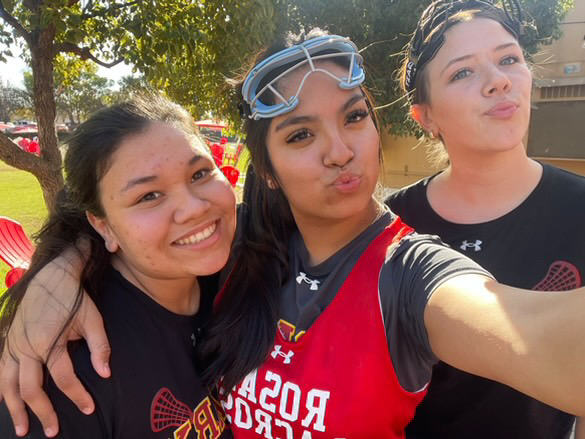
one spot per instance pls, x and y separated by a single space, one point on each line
334 310
469 88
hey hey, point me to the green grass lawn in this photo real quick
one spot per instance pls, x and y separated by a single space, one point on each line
21 199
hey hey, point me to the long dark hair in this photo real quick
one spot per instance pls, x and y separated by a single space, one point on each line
87 159
243 330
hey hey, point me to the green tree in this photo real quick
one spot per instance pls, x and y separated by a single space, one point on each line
127 87
382 28
78 89
13 100
146 33
197 77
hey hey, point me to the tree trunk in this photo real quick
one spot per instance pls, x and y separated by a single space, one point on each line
47 167
45 110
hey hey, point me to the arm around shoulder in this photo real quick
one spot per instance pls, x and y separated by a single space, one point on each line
38 326
531 341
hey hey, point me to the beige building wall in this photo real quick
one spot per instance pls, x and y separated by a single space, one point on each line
559 75
560 72
405 161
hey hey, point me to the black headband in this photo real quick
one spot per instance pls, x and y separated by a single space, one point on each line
429 35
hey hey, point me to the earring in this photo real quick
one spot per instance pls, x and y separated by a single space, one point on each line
270 183
433 136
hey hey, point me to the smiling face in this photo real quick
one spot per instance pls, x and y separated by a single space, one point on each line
479 97
169 212
325 153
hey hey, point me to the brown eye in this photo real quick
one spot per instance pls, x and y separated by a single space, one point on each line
201 173
298 136
357 116
151 196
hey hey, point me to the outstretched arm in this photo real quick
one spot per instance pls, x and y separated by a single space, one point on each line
532 341
36 327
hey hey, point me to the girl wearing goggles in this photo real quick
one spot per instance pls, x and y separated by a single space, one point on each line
334 311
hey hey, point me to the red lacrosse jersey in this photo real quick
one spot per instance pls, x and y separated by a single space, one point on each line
337 380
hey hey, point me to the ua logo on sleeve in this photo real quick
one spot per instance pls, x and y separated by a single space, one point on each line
465 245
277 351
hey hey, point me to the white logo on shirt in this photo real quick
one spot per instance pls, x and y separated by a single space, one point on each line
277 351
474 245
302 277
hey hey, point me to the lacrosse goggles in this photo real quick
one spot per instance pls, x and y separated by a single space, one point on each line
261 95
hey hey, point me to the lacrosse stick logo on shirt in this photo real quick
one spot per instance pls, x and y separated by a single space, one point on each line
561 276
166 411
302 277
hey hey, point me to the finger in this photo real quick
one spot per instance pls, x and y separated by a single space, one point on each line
63 374
91 327
31 390
10 389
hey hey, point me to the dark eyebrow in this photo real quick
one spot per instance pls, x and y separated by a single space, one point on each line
293 121
195 159
150 178
304 119
137 181
355 98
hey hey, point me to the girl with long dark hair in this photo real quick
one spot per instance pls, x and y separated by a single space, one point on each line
156 218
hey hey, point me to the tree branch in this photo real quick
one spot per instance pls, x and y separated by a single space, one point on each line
84 53
87 7
108 10
11 20
13 155
376 43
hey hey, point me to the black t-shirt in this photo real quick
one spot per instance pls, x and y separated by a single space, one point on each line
412 271
538 245
154 389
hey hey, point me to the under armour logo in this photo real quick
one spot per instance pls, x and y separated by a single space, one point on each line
474 245
195 336
302 277
277 351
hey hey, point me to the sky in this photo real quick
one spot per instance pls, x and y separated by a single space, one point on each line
13 69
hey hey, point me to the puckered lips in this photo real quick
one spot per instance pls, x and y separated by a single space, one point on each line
347 182
503 110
